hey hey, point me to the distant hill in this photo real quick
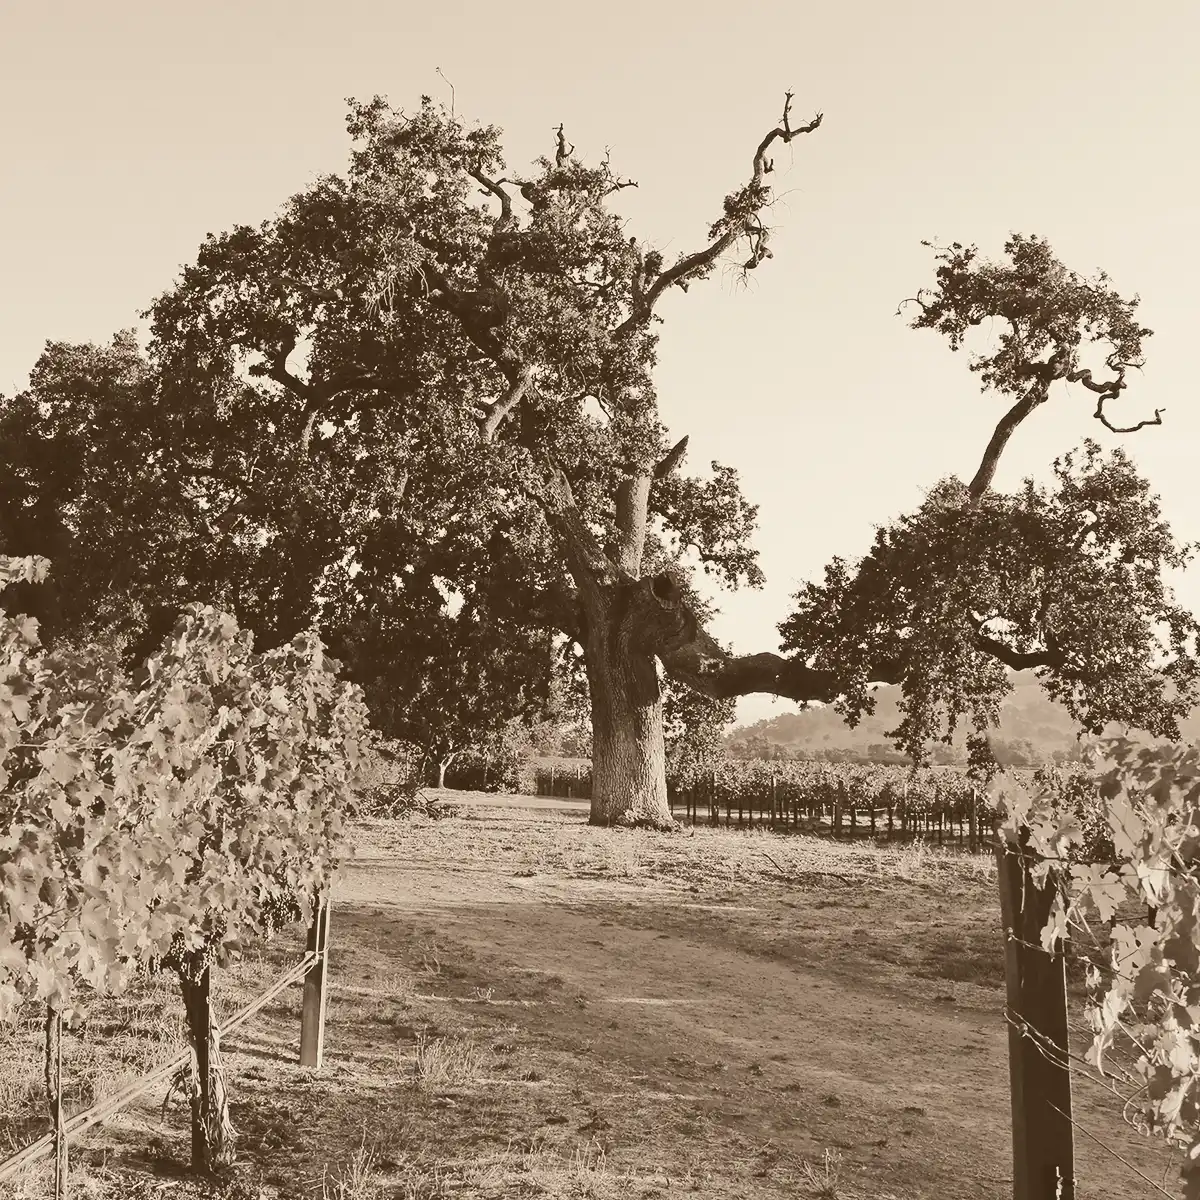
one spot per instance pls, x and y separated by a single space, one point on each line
1030 722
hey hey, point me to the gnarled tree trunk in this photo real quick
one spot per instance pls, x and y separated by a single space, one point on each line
629 781
628 624
442 764
212 1131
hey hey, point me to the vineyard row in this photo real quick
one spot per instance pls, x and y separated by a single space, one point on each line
941 803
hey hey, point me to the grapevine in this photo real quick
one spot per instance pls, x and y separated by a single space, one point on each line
1146 849
164 817
916 797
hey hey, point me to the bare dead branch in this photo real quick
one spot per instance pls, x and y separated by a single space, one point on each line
785 131
562 155
917 299
672 459
1100 416
699 261
1111 389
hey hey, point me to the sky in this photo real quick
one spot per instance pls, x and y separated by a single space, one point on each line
131 129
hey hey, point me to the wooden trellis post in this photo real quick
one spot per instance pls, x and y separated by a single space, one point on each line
312 1021
1039 1067
54 1092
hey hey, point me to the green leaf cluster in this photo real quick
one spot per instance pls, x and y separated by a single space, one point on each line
1148 994
169 808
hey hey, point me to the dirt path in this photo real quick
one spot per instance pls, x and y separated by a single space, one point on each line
665 984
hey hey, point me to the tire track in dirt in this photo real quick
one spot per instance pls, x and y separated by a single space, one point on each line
915 1094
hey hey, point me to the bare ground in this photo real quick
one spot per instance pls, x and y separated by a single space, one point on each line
525 1006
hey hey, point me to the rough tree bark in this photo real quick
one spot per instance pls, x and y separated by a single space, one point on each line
629 783
631 624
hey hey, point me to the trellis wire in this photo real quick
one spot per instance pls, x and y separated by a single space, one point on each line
48 1143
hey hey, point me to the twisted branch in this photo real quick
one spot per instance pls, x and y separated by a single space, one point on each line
1111 389
700 261
506 220
496 412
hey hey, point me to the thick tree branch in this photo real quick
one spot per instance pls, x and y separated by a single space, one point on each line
506 220
632 507
479 311
666 626
276 367
590 567
1042 375
672 459
322 396
1018 660
496 412
1109 389
703 666
1005 428
312 411
316 395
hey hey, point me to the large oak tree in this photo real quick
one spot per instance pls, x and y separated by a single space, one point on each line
428 385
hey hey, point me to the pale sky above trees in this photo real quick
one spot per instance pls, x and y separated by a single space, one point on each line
134 128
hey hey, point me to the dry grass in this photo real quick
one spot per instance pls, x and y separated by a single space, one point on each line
823 1178
118 1040
542 844
583 1173
357 1179
447 1062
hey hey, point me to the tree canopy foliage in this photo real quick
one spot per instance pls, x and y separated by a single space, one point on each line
1066 579
344 414
417 408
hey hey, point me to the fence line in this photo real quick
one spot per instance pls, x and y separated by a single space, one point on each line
82 1121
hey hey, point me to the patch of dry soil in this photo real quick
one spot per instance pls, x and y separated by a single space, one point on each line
765 1010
